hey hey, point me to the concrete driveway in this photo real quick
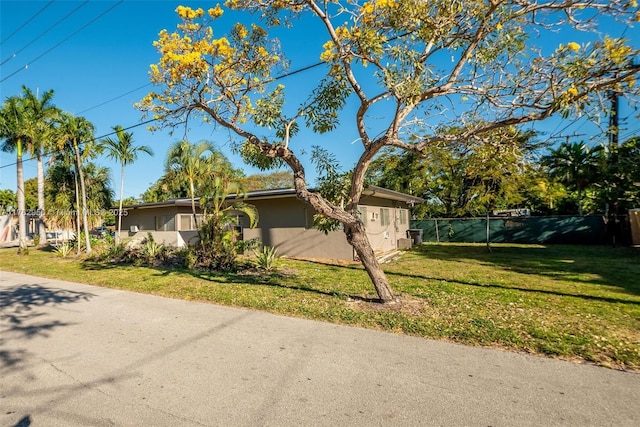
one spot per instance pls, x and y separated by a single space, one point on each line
78 355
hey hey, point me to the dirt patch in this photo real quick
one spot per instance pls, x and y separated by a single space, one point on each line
402 304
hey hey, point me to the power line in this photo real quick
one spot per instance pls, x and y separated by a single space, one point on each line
281 76
38 37
27 21
49 153
116 98
64 40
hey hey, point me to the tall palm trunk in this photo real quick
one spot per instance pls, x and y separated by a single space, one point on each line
22 213
120 205
42 230
77 216
193 202
85 215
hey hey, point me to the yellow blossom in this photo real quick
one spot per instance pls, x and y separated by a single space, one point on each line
187 13
572 91
573 46
241 30
215 12
499 27
368 8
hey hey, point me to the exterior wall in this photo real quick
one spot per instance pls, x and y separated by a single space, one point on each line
145 220
287 224
385 225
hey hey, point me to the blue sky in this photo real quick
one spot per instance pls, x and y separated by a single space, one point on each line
111 57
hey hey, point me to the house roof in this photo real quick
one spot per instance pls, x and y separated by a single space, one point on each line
371 190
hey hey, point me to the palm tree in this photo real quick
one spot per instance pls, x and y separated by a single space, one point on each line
217 237
41 115
190 163
12 123
574 165
76 135
122 149
97 181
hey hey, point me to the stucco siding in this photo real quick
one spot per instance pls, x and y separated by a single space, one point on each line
286 223
145 219
385 225
300 242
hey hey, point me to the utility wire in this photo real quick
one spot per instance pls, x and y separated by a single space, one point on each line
94 139
38 37
63 40
116 98
27 21
151 120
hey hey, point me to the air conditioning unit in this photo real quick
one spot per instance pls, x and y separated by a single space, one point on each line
133 229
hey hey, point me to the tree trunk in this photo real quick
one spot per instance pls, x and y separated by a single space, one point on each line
77 219
120 206
357 237
42 230
85 219
22 212
193 203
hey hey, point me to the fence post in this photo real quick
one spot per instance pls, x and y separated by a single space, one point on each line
437 232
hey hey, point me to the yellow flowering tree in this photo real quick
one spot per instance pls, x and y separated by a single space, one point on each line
409 69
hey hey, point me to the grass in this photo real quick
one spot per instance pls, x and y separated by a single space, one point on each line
570 302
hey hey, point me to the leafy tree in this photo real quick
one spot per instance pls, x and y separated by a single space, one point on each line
31 195
61 194
575 165
165 188
407 61
461 178
8 200
617 187
268 181
122 150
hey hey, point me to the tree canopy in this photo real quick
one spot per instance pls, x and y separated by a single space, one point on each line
401 72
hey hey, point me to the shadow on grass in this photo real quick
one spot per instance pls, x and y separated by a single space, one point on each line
271 280
519 289
617 267
512 258
245 276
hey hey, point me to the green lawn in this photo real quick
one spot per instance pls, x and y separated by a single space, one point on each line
570 302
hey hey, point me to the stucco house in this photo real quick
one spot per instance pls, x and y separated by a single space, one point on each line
284 222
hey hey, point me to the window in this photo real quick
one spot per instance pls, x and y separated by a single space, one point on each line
403 216
384 217
186 222
362 214
165 223
308 218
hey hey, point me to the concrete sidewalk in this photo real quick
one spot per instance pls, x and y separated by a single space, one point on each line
78 355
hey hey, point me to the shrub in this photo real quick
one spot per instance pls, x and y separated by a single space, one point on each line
64 250
267 258
150 249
